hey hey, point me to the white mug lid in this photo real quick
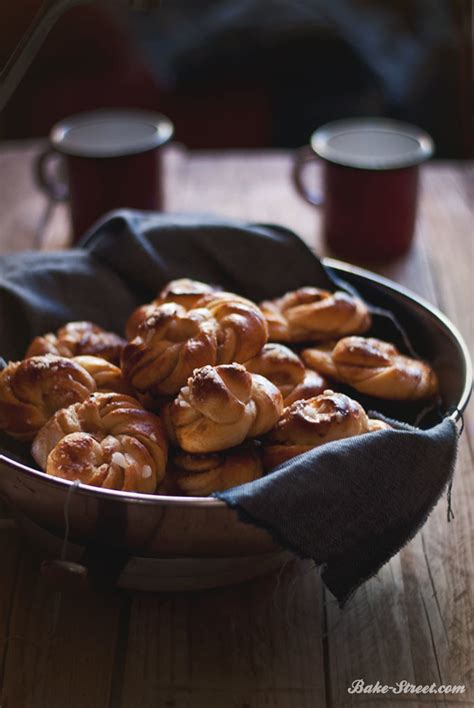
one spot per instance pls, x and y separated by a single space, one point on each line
372 143
111 133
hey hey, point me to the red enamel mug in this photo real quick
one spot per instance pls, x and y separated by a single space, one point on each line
370 176
111 159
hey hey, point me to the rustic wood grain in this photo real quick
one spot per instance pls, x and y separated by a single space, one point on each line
70 665
433 576
240 185
256 644
23 208
275 643
9 554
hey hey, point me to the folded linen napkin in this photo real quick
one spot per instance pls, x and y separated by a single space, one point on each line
349 505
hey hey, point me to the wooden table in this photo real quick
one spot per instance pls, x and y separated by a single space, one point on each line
280 641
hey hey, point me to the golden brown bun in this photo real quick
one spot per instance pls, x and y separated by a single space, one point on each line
106 375
242 328
312 385
77 338
200 475
314 422
107 441
183 291
138 316
220 407
279 365
313 314
186 292
375 368
171 343
285 369
31 391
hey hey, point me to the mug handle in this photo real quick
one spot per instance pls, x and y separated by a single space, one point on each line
54 188
303 157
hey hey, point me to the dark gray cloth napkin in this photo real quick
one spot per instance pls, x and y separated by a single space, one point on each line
352 504
349 505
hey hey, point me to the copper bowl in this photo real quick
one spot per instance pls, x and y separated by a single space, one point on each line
155 542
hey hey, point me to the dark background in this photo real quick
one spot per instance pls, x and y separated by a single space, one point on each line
252 73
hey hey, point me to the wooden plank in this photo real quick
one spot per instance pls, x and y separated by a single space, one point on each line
447 582
56 233
449 550
419 625
252 186
23 208
255 644
9 553
29 218
71 666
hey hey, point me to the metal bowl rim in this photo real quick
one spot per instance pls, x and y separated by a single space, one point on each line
164 500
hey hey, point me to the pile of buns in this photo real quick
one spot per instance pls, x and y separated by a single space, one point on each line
208 391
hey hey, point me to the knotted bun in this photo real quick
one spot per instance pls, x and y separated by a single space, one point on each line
138 316
183 291
77 338
374 367
200 475
170 344
220 407
186 292
310 423
108 441
32 390
285 369
242 328
106 375
173 341
314 314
